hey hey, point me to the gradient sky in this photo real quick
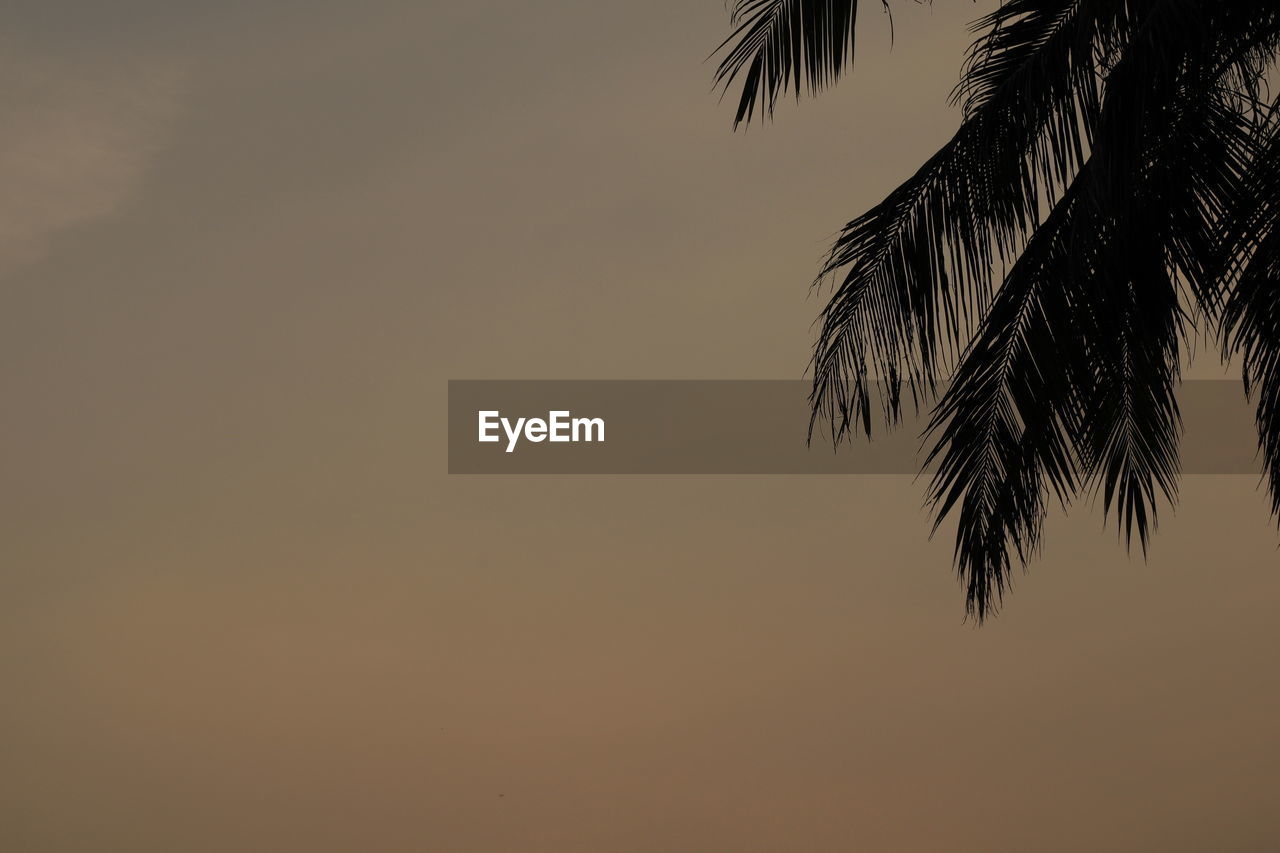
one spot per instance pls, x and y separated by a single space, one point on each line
242 607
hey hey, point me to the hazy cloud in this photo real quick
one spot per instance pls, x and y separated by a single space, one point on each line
75 140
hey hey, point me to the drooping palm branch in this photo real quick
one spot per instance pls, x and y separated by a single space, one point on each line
1113 188
781 44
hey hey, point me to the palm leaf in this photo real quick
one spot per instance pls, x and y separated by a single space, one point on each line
781 44
916 271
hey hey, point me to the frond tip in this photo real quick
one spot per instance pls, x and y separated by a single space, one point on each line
779 45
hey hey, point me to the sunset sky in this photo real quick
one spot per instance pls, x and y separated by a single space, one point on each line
243 247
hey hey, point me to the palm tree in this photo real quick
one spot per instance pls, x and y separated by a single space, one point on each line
1113 190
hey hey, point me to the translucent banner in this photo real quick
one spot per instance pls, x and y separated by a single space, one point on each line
624 427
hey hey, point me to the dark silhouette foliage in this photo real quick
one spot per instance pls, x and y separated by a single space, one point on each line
1113 191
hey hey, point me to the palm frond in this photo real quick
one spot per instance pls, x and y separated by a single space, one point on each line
917 270
1252 325
1130 319
1003 428
1251 313
1072 376
1114 185
782 44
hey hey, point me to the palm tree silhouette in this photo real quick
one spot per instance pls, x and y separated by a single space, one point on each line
1113 189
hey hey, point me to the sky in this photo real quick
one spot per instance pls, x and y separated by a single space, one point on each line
243 606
